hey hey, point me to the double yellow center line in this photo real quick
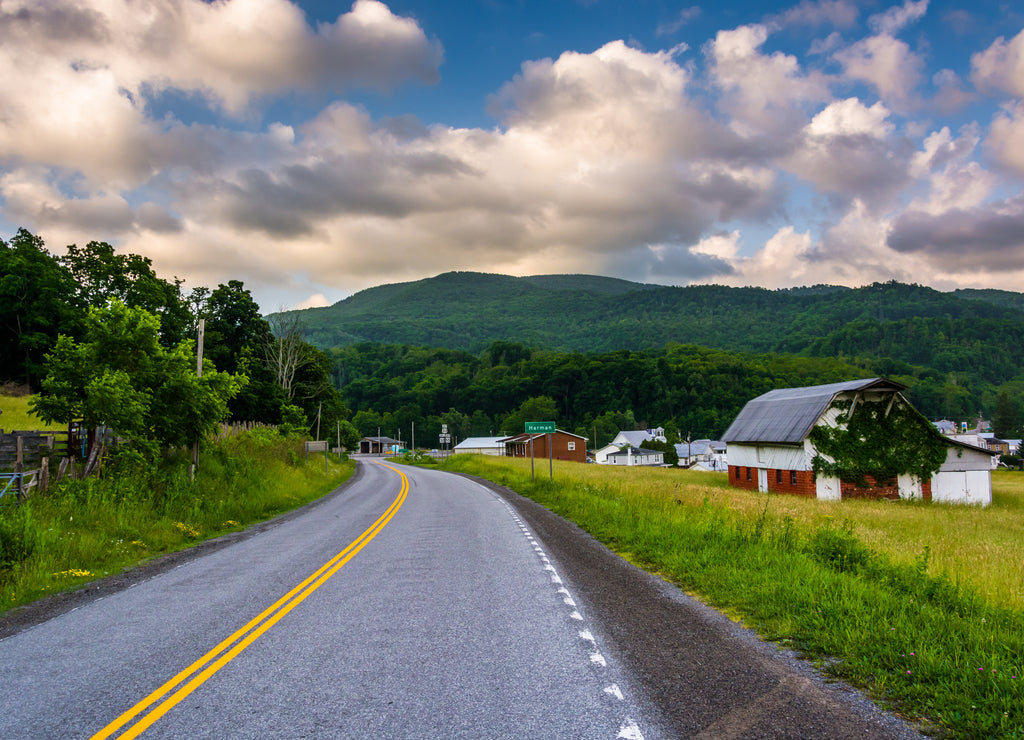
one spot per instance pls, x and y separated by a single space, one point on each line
230 648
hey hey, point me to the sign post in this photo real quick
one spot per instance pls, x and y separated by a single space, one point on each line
444 438
541 427
317 447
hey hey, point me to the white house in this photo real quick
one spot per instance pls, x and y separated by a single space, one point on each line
709 453
601 455
637 438
482 445
631 456
769 448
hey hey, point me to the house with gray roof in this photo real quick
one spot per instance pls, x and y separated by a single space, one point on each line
637 438
709 453
633 456
769 447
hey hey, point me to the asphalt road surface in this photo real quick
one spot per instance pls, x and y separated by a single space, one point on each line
408 604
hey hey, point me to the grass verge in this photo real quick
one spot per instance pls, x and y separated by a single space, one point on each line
86 529
834 581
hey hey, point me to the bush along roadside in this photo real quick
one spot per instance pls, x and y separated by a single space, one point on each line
85 529
919 644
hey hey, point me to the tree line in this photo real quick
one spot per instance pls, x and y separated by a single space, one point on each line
694 392
101 337
265 369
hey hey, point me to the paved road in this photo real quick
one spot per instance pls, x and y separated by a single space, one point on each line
410 604
449 622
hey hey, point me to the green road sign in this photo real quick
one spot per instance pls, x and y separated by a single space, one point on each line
540 427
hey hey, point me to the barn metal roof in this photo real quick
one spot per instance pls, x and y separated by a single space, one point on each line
786 415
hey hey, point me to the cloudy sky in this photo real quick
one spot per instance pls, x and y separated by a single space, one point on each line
315 148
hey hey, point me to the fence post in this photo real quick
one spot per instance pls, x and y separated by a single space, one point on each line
18 470
44 475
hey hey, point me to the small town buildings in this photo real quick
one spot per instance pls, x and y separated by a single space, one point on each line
564 446
601 455
632 456
378 445
638 437
710 453
769 448
482 446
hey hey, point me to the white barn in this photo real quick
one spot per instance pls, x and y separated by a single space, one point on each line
769 448
482 445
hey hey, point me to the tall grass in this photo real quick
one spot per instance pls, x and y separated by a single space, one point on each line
909 601
86 529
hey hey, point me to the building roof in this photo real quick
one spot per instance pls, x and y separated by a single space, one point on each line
636 438
525 436
635 452
786 415
481 442
699 447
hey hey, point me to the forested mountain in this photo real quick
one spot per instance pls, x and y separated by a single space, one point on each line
976 334
595 352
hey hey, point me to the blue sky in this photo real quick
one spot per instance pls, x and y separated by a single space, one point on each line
312 149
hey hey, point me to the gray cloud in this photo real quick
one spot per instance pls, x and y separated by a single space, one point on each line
55 23
838 13
977 239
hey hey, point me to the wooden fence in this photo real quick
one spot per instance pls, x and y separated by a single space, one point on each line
26 456
25 460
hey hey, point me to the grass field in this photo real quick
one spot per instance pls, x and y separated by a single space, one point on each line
86 529
16 415
920 604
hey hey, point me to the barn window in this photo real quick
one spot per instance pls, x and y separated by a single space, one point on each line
572 446
778 476
792 477
748 473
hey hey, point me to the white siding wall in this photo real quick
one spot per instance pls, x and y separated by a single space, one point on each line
963 458
963 487
828 488
910 486
769 457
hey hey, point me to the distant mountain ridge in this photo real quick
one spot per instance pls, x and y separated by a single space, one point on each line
980 330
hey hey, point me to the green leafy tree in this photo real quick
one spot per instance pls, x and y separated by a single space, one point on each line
101 275
671 456
236 335
348 434
121 377
33 307
1007 419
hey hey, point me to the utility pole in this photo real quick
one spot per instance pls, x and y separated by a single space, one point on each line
199 374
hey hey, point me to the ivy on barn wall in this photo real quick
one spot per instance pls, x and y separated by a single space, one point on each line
878 440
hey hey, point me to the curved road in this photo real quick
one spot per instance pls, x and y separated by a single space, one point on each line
410 604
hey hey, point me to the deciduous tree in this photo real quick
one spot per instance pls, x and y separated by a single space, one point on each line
121 377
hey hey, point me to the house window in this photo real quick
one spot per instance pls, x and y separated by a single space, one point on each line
778 476
792 477
748 473
572 446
